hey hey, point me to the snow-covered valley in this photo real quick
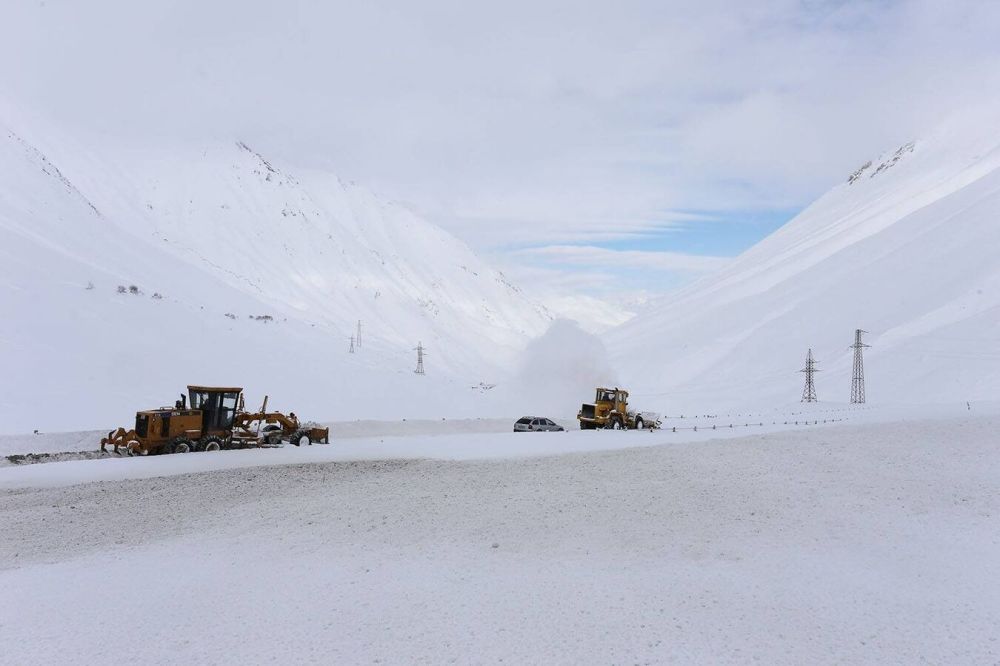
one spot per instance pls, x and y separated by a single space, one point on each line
480 333
750 528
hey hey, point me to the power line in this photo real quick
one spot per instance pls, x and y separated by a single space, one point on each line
420 358
858 378
809 392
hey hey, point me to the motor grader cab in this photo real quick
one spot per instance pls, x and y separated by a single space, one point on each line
211 420
218 408
610 410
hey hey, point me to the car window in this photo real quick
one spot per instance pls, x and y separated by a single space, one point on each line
524 421
549 422
535 422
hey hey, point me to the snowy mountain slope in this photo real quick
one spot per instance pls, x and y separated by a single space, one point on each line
905 249
212 257
312 246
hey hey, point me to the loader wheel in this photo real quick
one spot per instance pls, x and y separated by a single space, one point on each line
210 443
133 448
300 438
615 424
181 445
638 423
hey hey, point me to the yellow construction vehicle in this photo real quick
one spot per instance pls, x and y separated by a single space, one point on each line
610 410
214 420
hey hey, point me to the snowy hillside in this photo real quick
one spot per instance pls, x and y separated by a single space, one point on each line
242 272
905 248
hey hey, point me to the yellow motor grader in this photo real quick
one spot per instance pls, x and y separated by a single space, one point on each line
214 420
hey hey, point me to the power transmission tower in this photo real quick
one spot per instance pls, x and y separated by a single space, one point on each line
809 392
858 380
359 333
420 359
352 344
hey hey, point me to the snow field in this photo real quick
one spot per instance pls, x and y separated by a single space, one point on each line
873 543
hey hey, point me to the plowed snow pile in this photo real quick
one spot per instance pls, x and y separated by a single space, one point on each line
849 544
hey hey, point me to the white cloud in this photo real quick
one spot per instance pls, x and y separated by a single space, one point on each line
520 123
591 256
599 287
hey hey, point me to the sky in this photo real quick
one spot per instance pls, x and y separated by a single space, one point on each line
598 152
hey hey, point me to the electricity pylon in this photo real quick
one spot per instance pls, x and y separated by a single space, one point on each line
420 359
858 379
352 344
809 392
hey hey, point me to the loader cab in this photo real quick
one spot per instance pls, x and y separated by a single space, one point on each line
605 395
218 407
611 400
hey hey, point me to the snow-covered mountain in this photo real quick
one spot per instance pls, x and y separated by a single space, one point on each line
905 248
127 274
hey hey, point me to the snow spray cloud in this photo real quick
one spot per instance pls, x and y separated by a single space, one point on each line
560 369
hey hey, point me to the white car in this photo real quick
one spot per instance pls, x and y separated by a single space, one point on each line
536 424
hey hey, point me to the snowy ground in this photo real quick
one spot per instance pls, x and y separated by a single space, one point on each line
866 543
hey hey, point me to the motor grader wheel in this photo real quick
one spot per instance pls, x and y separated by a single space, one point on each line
300 438
133 448
210 443
180 445
270 435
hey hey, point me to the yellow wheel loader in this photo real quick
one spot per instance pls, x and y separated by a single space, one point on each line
610 410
